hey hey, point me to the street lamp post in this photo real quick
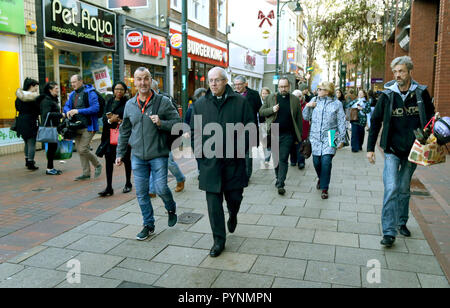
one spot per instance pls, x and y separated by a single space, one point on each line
298 10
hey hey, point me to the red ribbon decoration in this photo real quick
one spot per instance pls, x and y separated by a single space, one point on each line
264 18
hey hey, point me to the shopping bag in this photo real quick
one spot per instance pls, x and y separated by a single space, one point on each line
64 149
427 154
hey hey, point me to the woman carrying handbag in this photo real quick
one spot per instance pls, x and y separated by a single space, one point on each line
50 111
112 118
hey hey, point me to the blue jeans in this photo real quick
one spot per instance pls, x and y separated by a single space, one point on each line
174 169
323 165
142 170
397 176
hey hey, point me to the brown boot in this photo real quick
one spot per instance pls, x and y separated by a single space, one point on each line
152 195
180 186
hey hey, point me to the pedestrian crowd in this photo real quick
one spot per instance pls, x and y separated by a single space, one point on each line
291 126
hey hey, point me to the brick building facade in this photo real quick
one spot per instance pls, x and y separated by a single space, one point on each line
421 29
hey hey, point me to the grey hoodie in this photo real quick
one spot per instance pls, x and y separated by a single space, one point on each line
147 141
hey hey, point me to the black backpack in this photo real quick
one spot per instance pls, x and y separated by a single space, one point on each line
170 138
101 103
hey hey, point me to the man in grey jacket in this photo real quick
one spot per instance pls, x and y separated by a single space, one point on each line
147 134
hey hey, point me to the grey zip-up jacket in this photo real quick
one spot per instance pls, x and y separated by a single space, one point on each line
147 141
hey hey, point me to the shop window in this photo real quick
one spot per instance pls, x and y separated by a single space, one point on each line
69 58
49 61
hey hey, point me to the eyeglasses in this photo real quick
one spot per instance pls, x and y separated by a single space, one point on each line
214 81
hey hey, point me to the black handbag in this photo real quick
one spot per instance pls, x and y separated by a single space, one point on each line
305 148
101 150
14 125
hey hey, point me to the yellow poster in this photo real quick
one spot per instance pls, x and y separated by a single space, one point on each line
10 82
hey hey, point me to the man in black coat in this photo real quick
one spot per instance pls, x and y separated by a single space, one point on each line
253 98
220 156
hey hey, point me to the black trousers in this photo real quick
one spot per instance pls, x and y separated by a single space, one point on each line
51 151
216 213
281 159
110 159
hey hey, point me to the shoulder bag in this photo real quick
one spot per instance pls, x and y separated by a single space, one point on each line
47 134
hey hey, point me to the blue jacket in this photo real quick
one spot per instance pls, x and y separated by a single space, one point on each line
91 111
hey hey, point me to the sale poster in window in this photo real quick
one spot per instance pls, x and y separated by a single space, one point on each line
102 79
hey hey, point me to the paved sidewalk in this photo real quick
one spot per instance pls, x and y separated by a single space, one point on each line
296 240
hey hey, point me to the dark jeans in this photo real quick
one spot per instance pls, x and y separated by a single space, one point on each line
248 165
281 159
216 213
357 137
296 158
323 165
51 151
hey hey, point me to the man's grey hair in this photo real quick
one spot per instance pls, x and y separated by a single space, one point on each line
403 60
223 73
240 78
79 78
143 69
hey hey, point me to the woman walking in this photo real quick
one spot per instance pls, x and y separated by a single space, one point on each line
327 119
112 119
358 126
265 92
50 115
27 104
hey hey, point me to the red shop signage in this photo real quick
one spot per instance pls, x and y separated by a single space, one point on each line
150 46
199 50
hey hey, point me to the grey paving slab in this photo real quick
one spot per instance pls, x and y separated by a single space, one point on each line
288 202
317 224
266 209
311 252
298 284
89 282
50 258
359 228
292 234
177 238
8 269
94 264
358 256
144 250
373 242
242 280
187 277
232 244
338 215
130 219
181 256
433 281
103 228
413 263
110 216
369 218
33 277
347 275
301 212
95 243
279 267
416 246
144 266
230 261
64 239
253 231
390 279
131 275
336 238
278 221
264 247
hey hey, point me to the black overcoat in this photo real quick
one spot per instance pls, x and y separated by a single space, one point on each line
219 174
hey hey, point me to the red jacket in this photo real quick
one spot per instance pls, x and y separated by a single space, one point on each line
306 124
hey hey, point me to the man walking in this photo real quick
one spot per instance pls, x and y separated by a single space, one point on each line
285 110
220 175
147 135
83 106
403 107
253 98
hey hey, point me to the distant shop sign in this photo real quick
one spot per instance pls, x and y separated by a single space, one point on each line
78 22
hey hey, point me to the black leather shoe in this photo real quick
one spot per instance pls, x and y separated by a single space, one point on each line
216 250
387 241
232 222
281 191
127 189
404 231
106 192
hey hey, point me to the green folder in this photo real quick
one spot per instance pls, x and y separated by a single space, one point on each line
332 138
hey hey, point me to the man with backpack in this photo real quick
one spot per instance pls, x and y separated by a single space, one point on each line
403 107
147 123
83 105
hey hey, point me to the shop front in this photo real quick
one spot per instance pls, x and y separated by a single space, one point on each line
142 48
204 53
247 63
79 38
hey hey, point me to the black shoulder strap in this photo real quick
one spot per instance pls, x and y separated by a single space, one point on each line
156 104
421 105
